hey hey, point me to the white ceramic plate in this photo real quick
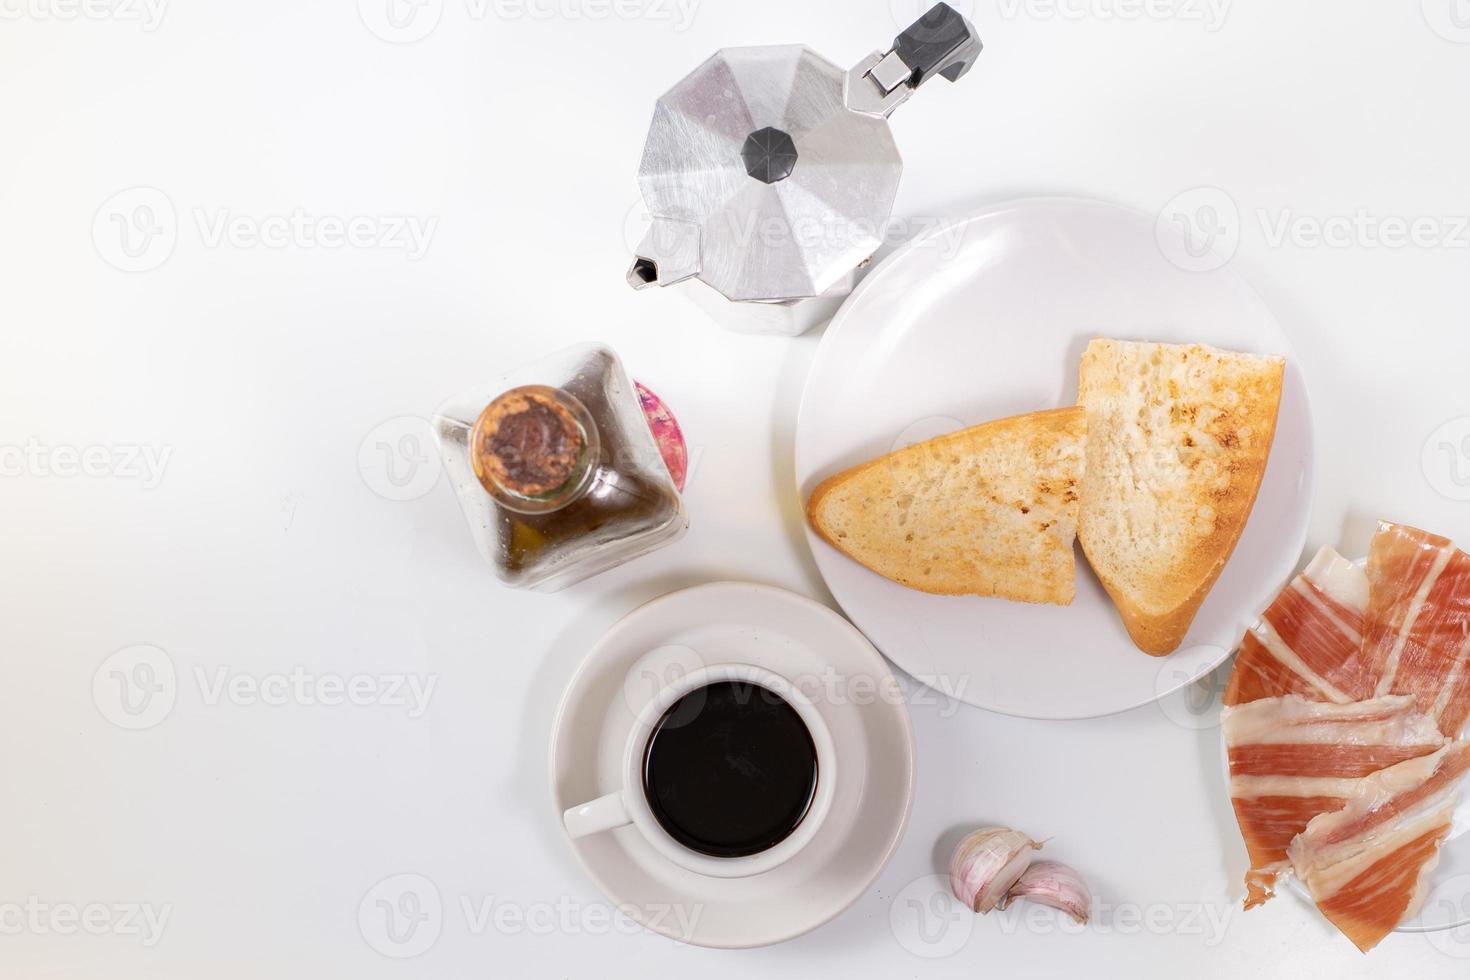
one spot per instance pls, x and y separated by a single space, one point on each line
834 666
985 319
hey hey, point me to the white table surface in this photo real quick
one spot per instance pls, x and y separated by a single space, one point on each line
181 457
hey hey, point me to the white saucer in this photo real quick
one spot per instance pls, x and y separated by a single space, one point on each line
985 319
839 670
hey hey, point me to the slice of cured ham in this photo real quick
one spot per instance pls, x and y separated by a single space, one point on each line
1367 864
1416 637
1293 759
1308 640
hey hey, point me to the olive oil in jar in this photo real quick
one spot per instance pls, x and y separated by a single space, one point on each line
558 472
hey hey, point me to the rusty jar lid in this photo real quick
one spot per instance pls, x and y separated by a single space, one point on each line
533 448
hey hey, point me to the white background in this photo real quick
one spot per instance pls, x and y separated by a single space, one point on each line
255 373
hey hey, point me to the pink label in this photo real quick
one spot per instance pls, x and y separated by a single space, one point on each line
666 433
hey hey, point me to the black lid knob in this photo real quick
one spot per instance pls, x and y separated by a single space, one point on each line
769 155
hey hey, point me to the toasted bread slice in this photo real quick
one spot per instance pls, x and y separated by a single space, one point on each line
990 510
1178 438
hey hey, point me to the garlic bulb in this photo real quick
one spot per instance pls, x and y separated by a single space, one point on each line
1053 884
987 863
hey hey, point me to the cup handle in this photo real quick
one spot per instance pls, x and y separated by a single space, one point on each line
603 813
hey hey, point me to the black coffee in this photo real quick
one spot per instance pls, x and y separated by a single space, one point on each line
730 769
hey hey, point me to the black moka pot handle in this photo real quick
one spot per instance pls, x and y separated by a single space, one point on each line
941 42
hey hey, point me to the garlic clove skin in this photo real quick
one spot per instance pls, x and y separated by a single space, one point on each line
987 863
1055 885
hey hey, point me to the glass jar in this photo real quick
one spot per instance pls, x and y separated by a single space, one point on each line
558 470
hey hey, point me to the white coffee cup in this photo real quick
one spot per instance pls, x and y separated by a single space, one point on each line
628 805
